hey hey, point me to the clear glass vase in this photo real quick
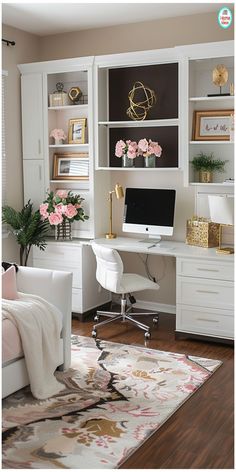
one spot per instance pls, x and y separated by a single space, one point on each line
63 231
127 162
150 161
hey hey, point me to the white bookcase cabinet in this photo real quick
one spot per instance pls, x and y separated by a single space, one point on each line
198 62
163 123
38 81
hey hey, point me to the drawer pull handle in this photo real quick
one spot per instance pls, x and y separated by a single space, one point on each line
207 270
39 146
207 291
205 319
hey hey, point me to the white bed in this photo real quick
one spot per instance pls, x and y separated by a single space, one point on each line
56 288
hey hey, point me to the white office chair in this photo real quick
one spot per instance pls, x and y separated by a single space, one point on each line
111 277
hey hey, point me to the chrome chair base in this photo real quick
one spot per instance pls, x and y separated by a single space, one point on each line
123 315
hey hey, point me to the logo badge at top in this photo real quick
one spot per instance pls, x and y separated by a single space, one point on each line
225 17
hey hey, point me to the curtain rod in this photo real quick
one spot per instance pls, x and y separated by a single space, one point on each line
8 42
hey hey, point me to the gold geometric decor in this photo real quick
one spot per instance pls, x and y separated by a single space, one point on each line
141 99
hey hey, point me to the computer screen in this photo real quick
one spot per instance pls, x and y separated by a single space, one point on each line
149 211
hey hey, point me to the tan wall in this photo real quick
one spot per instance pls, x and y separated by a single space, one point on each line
135 37
26 50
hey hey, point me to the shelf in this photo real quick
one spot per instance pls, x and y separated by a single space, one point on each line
229 98
146 169
85 145
141 124
69 181
68 107
213 184
211 142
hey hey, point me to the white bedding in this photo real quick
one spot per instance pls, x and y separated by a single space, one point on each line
39 324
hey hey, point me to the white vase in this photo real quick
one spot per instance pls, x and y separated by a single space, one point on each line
58 141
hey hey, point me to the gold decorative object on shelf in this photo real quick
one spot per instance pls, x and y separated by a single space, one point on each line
75 94
202 232
141 99
220 77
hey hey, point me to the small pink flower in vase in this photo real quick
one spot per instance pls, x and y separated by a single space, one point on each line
62 193
127 150
55 219
58 135
70 211
43 211
149 150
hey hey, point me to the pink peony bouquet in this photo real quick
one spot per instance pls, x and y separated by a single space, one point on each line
144 148
149 148
57 133
126 147
63 205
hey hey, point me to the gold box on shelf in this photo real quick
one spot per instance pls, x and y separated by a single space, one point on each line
59 99
202 232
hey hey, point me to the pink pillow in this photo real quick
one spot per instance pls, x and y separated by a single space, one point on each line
9 289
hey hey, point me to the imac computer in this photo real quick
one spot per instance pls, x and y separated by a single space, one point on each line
149 211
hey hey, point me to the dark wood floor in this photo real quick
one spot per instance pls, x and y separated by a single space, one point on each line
200 434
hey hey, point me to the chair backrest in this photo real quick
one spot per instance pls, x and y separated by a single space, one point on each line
109 267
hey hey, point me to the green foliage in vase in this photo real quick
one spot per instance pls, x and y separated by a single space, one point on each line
27 227
207 163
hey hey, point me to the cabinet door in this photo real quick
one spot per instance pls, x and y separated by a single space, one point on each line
32 116
34 189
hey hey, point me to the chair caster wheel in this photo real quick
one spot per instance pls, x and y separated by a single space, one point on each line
94 333
155 320
147 335
96 318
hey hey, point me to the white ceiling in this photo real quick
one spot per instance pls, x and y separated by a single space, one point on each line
52 18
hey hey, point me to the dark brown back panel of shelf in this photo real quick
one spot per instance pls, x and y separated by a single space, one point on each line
162 78
167 137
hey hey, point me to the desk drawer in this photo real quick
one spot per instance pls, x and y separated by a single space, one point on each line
205 269
60 265
205 321
60 252
206 293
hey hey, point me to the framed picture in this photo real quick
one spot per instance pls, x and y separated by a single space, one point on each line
71 166
213 125
77 131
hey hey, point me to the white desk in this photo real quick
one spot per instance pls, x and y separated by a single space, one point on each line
204 285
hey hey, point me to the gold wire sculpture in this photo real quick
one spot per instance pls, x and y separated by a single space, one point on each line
138 110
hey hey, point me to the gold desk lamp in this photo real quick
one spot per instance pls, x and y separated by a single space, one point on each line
222 212
119 193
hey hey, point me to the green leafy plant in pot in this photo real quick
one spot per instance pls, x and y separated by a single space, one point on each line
205 165
27 227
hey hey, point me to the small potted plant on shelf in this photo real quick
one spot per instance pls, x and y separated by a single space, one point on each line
205 165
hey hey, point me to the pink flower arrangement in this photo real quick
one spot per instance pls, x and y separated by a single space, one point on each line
126 147
144 148
149 148
58 134
63 205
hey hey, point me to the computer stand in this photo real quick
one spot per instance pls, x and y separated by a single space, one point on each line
151 240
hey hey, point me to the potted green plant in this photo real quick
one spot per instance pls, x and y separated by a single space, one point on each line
27 227
206 165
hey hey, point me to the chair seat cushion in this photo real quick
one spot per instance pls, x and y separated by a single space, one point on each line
135 283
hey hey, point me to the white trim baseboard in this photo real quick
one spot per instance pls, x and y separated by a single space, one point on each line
155 306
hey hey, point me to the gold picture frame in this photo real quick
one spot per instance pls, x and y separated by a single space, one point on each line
211 125
76 133
71 166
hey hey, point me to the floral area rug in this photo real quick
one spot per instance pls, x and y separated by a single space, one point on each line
116 396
